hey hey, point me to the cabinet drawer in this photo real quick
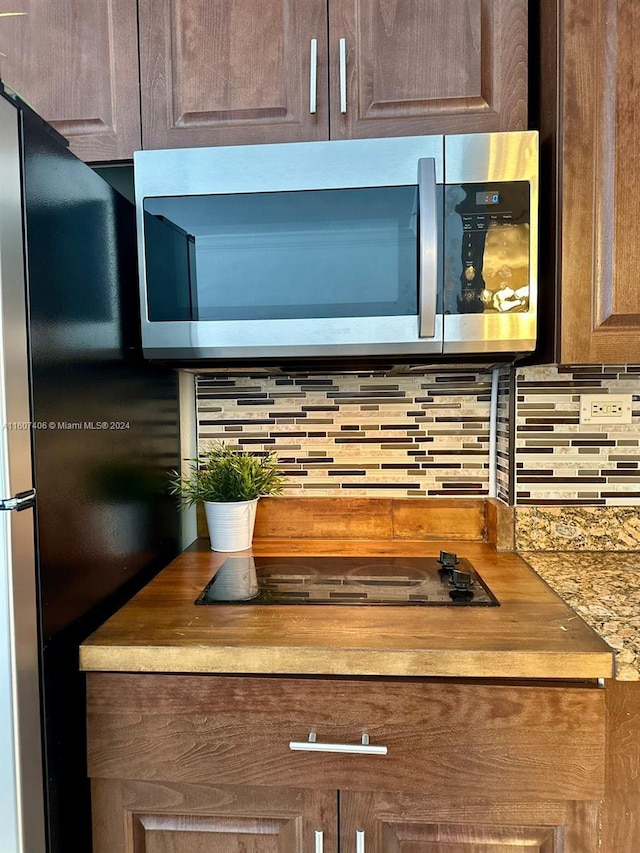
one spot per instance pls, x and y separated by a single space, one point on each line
442 737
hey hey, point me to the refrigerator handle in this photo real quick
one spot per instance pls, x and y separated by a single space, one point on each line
428 249
20 501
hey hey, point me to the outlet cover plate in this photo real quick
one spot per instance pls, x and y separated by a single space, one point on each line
605 408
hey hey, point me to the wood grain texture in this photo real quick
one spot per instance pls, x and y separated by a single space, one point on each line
441 66
621 814
321 518
442 738
400 823
164 817
440 519
364 518
598 179
220 72
546 69
533 634
76 63
500 524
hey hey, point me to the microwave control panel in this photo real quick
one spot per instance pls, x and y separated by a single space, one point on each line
487 248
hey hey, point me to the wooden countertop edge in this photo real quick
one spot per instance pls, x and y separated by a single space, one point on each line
157 630
356 662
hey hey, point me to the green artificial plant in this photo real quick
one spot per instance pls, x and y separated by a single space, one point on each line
225 474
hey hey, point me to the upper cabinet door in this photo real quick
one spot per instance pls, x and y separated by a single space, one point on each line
427 66
598 179
76 63
232 72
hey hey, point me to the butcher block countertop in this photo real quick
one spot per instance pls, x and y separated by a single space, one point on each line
533 634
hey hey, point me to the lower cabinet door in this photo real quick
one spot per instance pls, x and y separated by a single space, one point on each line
407 823
163 817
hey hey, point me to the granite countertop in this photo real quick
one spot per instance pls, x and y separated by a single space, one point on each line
604 588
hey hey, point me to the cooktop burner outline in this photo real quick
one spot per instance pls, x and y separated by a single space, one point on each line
391 581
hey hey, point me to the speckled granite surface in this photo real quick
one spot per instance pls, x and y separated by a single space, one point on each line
604 588
578 528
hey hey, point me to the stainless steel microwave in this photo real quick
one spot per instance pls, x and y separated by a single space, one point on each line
413 246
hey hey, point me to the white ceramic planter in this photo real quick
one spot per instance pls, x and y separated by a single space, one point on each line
231 524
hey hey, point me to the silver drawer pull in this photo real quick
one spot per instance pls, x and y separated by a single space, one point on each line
362 748
360 841
319 837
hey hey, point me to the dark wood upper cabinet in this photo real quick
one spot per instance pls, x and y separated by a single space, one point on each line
427 66
229 72
590 108
76 63
118 75
216 72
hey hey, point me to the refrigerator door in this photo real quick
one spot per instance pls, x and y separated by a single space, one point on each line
21 780
105 433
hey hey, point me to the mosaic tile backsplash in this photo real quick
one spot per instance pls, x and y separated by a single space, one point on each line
372 435
504 435
355 435
560 461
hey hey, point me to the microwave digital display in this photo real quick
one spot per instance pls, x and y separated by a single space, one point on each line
483 198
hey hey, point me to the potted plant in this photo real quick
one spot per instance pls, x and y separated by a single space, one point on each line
229 482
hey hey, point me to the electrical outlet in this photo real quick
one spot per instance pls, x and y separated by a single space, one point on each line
605 408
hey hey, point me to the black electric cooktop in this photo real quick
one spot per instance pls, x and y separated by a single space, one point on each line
447 580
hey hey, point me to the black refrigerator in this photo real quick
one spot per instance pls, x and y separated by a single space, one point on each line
88 432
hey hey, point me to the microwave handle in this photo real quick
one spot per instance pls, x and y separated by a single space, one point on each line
428 250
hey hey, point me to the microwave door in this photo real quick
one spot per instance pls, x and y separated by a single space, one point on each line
428 247
305 249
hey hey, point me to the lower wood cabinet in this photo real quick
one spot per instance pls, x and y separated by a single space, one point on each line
161 817
406 823
188 764
621 813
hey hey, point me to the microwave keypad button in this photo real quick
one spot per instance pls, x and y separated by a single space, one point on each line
470 273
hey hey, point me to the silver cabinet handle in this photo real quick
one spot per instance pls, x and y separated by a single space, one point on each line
428 286
362 748
360 841
343 75
313 77
319 838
